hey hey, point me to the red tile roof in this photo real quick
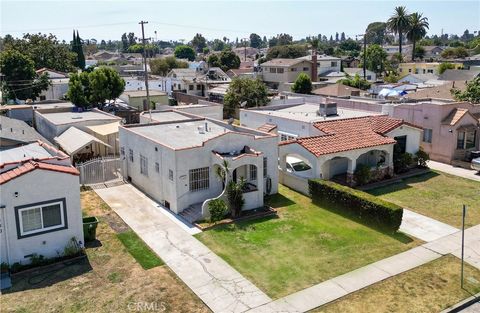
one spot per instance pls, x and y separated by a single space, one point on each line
350 134
267 127
28 166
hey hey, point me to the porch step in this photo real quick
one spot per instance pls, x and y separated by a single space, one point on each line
193 213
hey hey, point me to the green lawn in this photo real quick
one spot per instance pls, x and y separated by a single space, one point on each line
432 287
139 250
304 246
437 195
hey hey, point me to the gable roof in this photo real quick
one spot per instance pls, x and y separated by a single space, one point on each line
73 140
283 62
459 75
350 134
437 92
267 127
18 131
456 115
30 165
335 90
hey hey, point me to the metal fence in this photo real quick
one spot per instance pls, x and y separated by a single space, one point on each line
100 170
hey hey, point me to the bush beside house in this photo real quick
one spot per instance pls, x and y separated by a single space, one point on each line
364 206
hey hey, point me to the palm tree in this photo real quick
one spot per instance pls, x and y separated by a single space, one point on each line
399 23
418 29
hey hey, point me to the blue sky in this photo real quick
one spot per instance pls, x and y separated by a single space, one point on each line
215 19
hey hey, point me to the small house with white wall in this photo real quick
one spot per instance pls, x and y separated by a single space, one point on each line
40 204
58 84
175 161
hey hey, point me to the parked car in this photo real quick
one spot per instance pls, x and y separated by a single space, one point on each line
298 167
476 164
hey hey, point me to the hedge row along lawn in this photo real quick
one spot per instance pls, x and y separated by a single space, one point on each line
305 245
366 208
437 195
139 250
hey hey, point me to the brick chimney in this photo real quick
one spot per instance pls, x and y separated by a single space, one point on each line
314 65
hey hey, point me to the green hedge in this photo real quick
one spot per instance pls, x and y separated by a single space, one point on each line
362 205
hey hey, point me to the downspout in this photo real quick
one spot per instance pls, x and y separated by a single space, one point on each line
7 244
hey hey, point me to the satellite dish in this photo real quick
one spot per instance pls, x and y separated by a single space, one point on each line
243 104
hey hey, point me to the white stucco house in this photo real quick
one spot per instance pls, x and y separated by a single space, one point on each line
175 161
331 140
85 134
58 84
39 204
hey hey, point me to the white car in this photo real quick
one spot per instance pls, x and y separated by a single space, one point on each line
476 164
299 167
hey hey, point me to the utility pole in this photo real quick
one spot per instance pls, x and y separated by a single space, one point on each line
365 57
145 67
245 40
463 240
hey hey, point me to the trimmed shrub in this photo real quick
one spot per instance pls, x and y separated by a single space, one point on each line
362 174
402 162
217 209
422 158
364 206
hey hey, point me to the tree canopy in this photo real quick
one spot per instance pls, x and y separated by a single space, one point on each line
287 51
77 48
251 91
418 26
255 41
20 80
227 59
470 94
95 87
164 65
376 58
376 33
185 52
303 84
44 50
399 23
198 42
355 82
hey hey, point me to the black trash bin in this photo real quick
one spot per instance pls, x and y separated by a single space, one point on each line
90 228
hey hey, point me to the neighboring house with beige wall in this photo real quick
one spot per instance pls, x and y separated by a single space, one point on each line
422 67
279 71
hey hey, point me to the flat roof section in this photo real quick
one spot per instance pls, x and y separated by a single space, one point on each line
78 117
182 135
308 112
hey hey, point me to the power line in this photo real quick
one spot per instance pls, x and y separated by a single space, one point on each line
65 27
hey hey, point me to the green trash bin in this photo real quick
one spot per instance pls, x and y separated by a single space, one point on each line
90 228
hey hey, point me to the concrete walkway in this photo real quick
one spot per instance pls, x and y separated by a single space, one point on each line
457 171
215 282
423 227
340 286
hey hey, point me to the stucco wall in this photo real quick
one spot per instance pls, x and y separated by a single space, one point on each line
414 136
34 187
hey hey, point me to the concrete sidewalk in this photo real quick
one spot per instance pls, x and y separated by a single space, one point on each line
215 282
457 171
423 227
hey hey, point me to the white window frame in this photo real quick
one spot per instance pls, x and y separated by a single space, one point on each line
196 181
42 229
427 138
157 167
286 136
170 175
143 165
265 167
253 172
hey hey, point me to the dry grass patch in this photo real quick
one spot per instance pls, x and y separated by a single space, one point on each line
109 281
432 287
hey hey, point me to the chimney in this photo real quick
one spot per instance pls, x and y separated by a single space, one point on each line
314 64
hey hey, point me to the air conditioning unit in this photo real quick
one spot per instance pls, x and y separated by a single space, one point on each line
327 109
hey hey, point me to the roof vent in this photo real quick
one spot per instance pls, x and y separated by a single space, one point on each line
201 130
77 117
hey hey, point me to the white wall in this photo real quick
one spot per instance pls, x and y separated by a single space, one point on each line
34 187
414 135
161 84
181 161
253 119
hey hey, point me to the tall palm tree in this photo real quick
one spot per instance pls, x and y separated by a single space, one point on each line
399 23
418 29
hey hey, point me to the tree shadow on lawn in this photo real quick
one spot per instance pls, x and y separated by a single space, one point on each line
403 184
278 201
49 275
242 225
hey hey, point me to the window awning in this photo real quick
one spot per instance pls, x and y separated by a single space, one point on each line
105 129
73 140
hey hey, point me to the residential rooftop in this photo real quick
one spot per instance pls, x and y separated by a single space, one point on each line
143 93
190 133
26 152
60 118
18 131
308 112
166 116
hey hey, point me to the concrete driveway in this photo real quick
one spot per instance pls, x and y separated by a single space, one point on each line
457 171
215 282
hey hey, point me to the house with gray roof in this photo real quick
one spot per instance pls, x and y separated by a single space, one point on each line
15 132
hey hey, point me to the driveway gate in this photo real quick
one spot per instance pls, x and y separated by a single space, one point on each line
99 170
